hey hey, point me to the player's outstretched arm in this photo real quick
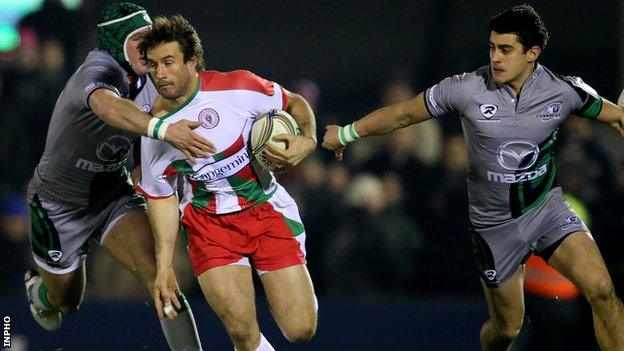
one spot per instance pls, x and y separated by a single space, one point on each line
163 215
125 115
612 115
299 146
382 121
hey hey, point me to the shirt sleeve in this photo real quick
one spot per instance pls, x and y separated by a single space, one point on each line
449 95
587 102
98 77
158 171
277 100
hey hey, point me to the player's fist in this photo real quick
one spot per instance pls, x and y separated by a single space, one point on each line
331 141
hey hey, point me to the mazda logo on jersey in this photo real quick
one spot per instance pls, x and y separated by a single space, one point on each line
551 111
209 118
488 110
517 155
113 149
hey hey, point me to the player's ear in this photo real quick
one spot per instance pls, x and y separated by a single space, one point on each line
533 53
192 63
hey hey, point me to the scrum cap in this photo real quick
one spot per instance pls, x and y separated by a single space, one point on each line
117 23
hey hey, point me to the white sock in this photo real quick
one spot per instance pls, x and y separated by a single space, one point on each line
264 345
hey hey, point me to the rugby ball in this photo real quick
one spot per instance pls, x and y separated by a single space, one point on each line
265 127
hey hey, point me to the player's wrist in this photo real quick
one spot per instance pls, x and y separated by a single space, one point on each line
347 134
157 128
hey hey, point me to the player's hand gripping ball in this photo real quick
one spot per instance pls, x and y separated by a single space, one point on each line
265 127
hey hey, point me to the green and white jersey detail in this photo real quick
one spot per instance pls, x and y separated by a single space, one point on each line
226 104
510 139
83 161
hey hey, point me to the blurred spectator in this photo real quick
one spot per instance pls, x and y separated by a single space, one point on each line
14 245
371 252
581 156
448 225
33 84
48 22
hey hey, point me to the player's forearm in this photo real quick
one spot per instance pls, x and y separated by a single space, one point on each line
303 115
163 215
388 119
125 115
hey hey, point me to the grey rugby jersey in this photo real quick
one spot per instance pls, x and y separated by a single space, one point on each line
83 159
510 140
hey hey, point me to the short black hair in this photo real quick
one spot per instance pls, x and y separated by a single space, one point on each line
175 28
524 22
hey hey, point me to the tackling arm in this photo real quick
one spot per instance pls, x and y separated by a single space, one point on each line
125 115
382 121
612 115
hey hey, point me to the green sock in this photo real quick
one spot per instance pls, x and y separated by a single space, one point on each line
39 295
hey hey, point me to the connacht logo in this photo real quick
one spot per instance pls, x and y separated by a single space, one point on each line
55 255
490 274
551 111
488 110
517 155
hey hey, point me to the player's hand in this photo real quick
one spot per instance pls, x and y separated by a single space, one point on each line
331 141
298 147
181 136
165 293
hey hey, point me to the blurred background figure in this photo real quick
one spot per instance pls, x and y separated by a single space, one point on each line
371 253
14 244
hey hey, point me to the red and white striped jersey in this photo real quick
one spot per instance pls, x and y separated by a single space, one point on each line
225 104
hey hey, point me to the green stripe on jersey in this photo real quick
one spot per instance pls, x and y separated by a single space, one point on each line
593 110
296 227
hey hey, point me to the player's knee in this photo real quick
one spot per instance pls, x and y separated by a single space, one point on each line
241 331
599 291
302 333
509 330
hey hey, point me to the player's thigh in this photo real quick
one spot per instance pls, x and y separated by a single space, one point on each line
129 239
291 296
230 292
579 259
506 302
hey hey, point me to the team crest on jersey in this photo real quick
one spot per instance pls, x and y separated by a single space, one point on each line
209 118
552 111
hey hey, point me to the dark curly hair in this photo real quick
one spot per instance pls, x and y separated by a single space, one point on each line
524 22
175 28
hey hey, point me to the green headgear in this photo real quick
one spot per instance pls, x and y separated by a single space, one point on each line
117 23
